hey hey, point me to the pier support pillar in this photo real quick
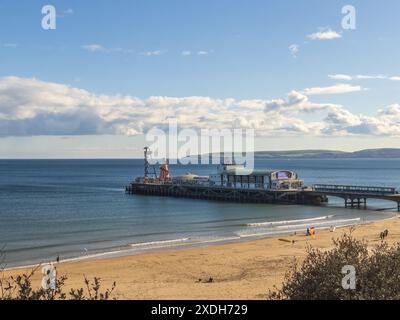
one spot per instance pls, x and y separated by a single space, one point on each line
358 203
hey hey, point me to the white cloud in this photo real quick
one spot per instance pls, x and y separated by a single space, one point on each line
335 89
65 13
363 77
93 47
33 107
294 50
328 34
369 77
337 121
10 45
199 53
151 53
344 77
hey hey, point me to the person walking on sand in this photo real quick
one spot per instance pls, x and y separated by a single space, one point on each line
58 259
312 231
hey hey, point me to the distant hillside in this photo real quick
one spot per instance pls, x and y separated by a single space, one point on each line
319 154
330 154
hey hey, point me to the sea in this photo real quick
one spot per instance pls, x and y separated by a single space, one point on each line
78 209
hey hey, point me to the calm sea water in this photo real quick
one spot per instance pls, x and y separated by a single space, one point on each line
75 208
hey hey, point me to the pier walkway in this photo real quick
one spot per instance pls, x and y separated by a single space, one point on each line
356 196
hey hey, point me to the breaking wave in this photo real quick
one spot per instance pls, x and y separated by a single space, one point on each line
160 242
267 223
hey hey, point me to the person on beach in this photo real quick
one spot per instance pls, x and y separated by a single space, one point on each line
312 232
386 232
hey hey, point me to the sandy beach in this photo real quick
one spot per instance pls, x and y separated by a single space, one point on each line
244 270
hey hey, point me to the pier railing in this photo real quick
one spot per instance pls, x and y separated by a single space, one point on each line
355 189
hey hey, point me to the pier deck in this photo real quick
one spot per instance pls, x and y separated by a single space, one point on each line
357 196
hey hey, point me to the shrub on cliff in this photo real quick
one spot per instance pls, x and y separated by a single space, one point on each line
347 272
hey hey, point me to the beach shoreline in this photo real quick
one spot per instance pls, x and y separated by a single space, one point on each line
136 249
240 270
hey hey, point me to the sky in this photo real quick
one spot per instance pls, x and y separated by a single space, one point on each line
111 71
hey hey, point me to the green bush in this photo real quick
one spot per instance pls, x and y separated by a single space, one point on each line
20 288
319 276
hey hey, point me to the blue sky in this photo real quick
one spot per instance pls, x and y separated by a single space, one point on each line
216 49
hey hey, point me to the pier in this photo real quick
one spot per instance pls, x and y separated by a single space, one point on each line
236 183
354 197
357 196
226 193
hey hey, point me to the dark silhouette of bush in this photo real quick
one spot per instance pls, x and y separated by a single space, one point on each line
20 288
319 276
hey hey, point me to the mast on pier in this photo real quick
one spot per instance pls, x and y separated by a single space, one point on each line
149 170
146 162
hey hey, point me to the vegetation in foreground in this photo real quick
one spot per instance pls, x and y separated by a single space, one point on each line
320 276
20 288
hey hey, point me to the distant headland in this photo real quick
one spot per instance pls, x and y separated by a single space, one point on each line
381 153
